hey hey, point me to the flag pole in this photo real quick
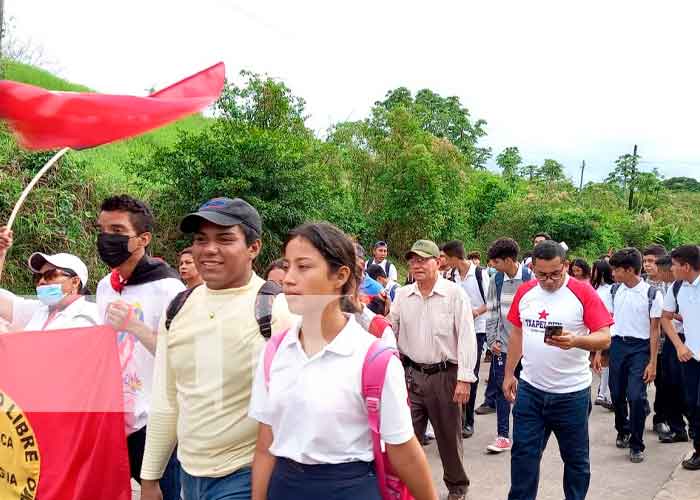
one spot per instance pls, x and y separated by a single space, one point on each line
29 187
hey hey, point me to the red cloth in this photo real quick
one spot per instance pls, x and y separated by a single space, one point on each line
67 386
43 120
115 279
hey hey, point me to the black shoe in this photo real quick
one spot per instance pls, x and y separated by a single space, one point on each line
467 431
485 410
636 457
662 428
674 437
693 463
623 441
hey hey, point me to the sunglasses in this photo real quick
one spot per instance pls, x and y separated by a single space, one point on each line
53 274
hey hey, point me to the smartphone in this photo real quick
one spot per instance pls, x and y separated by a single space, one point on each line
553 330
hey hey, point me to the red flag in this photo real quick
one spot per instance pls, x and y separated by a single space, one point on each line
43 119
62 416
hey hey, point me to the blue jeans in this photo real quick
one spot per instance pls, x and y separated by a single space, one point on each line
235 486
536 415
628 360
691 381
502 404
349 481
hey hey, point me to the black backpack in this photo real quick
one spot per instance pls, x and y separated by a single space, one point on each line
479 273
263 306
386 265
677 288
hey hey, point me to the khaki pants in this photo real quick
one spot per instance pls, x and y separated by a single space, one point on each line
431 399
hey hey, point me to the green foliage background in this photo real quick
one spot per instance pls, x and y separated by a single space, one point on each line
414 168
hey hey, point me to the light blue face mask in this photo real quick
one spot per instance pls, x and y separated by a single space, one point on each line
50 295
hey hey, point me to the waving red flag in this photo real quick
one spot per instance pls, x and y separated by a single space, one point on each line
43 119
62 431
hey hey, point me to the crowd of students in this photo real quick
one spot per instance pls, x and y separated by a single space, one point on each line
238 386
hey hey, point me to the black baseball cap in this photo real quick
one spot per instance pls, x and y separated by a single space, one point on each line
225 212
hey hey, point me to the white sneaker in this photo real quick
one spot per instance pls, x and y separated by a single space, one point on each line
500 445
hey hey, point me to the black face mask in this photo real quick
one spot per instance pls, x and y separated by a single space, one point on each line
113 249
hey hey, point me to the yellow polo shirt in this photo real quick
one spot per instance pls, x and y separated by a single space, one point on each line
202 382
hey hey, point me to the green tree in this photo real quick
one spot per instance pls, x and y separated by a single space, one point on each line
530 172
443 117
509 161
259 150
551 171
625 175
682 184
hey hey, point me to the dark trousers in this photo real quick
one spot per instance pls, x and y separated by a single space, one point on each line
661 399
502 404
349 481
431 399
536 415
170 482
674 395
492 389
691 383
628 359
469 408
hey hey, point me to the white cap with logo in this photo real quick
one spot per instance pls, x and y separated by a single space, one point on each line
60 260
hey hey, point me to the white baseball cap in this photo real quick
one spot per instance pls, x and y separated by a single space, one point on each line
61 260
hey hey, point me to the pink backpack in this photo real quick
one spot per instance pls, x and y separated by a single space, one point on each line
373 375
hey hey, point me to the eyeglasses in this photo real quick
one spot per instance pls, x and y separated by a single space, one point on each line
555 276
53 274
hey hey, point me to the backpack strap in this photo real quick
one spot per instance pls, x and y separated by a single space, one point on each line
676 289
613 292
176 304
263 306
480 281
651 294
378 325
271 348
373 376
499 279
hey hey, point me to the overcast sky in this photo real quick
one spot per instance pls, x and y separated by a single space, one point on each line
557 80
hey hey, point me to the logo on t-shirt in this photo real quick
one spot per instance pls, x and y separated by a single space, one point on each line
540 323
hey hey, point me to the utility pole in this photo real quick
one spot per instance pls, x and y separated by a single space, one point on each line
633 179
583 167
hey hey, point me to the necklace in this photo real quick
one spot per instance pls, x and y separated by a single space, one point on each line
212 313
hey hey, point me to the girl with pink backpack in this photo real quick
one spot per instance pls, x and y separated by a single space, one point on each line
326 391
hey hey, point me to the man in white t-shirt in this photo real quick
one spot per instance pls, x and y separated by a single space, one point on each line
686 269
636 307
474 280
557 322
380 254
132 299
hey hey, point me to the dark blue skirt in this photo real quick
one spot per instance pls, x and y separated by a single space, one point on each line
351 481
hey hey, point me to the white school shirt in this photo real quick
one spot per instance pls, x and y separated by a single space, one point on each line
315 405
631 310
577 307
471 286
30 315
689 308
149 301
604 294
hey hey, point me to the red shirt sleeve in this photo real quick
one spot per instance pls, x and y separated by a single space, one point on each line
595 315
514 313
